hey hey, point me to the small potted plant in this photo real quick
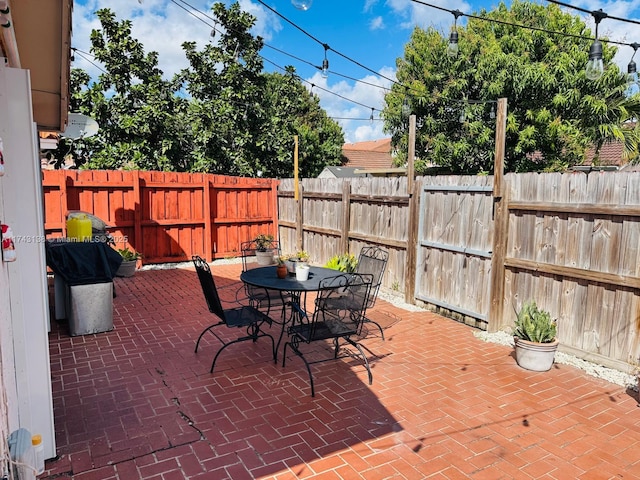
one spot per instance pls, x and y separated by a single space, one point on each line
535 338
129 262
281 268
264 249
291 260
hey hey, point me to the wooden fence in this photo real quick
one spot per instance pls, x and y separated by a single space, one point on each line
335 216
570 241
166 216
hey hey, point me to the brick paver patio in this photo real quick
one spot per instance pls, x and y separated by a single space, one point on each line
138 403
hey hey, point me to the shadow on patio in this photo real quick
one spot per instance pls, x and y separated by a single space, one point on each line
138 403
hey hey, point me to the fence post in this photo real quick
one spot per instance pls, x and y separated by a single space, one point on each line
208 230
500 223
274 209
346 215
412 241
64 200
300 219
137 212
500 237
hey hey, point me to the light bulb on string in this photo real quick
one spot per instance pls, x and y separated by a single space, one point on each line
632 75
371 117
406 109
302 4
324 71
452 48
595 65
492 113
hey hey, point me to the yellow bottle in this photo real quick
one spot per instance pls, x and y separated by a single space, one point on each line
84 228
72 228
38 448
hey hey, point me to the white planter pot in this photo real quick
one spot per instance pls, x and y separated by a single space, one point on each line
127 268
537 357
265 258
291 266
302 272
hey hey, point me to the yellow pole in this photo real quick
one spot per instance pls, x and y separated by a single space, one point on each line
295 167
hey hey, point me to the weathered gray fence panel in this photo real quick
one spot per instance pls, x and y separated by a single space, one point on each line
571 242
455 236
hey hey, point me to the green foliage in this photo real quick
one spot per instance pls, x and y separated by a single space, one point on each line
552 110
263 241
344 262
129 255
534 325
235 120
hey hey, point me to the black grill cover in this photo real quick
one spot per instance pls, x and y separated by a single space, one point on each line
82 263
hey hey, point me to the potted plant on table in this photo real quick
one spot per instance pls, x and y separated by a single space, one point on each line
294 259
281 268
264 249
129 262
535 338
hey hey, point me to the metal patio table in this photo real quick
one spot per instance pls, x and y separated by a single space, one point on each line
266 277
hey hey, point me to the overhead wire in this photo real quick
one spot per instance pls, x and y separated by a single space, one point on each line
85 55
519 25
620 19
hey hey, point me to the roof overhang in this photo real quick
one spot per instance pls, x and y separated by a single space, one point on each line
381 172
38 39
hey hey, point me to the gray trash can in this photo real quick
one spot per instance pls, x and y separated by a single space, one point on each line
89 308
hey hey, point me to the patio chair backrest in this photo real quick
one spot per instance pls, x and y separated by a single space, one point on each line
373 261
341 302
208 287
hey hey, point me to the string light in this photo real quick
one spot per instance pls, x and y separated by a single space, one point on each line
452 48
325 62
303 5
632 76
595 67
371 117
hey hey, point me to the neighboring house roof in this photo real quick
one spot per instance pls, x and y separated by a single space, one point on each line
610 154
370 154
339 172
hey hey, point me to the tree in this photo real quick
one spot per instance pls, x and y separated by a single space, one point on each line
141 118
244 120
554 112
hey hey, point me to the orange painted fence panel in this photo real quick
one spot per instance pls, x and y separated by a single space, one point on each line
166 216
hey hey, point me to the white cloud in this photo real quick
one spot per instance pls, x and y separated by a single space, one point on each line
354 117
376 24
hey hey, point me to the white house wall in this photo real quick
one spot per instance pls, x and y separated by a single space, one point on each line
24 315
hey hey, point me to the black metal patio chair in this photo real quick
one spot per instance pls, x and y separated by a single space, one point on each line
332 320
262 298
372 261
244 316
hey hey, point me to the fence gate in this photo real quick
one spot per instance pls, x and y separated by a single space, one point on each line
455 238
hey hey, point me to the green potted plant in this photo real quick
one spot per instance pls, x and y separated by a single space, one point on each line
345 262
294 259
129 262
535 338
264 249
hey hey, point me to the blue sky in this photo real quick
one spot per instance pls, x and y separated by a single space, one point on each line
371 32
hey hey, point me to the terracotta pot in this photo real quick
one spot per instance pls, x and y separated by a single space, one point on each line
537 357
281 271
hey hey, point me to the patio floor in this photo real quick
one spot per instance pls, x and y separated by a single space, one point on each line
138 403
